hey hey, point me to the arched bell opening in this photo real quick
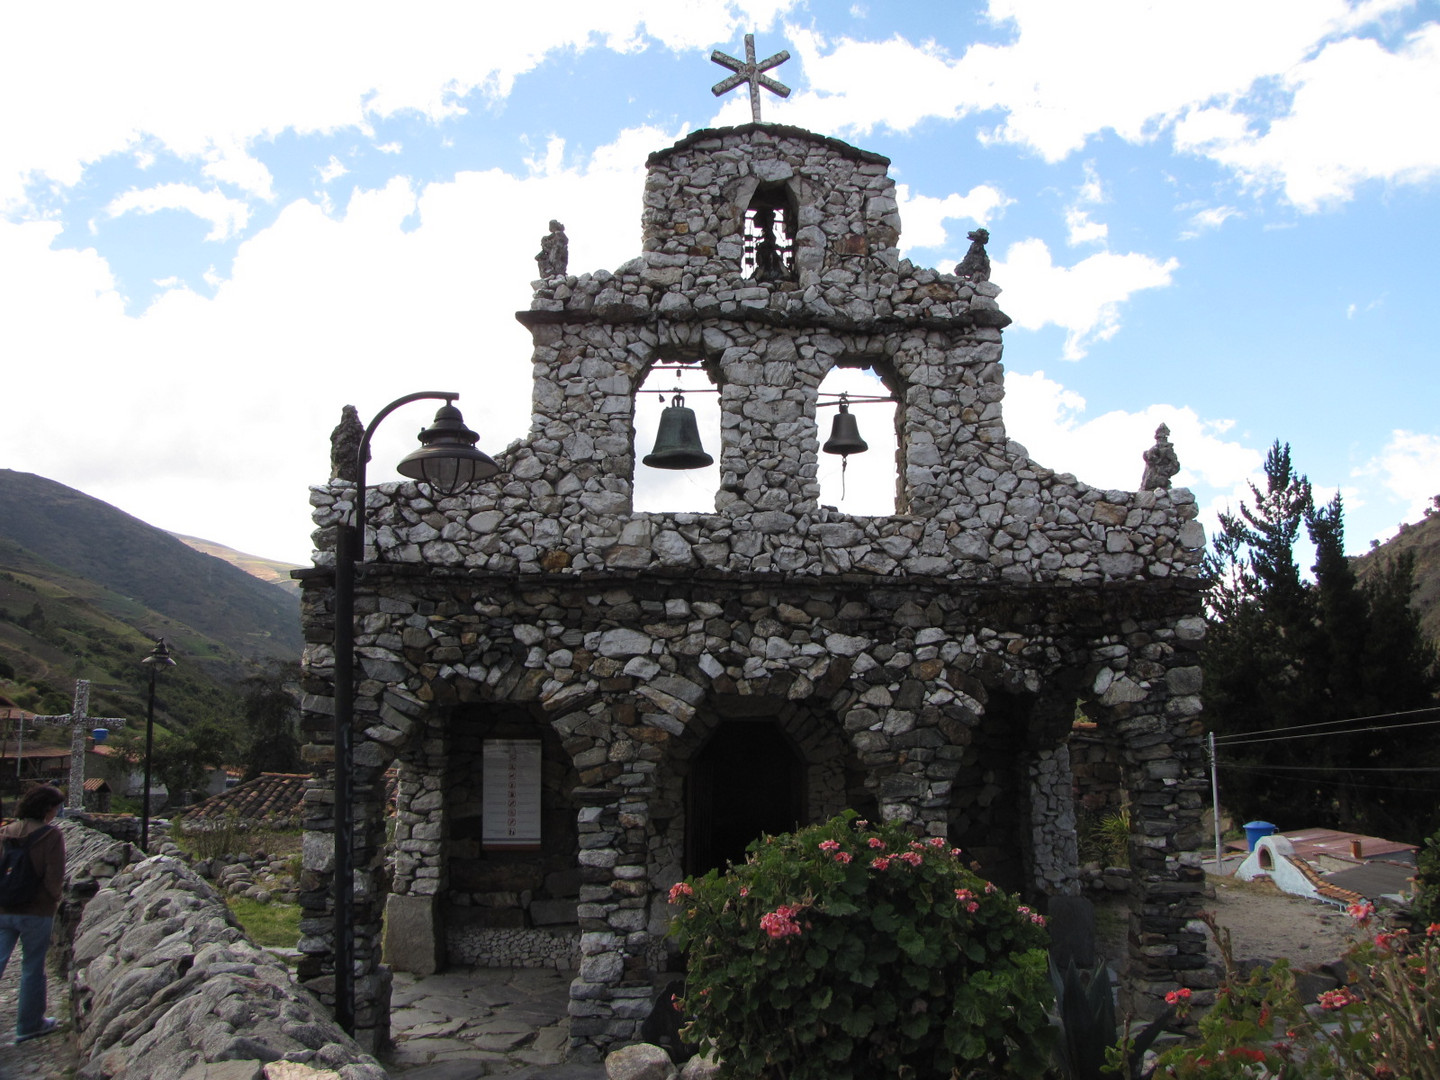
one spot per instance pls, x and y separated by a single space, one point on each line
671 444
859 477
771 222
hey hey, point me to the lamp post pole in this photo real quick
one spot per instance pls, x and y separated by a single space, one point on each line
448 462
158 658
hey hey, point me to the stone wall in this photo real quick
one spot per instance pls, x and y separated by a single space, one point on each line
925 664
164 980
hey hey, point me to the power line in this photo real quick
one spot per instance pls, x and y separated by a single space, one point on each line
1333 723
1240 740
1315 780
1332 768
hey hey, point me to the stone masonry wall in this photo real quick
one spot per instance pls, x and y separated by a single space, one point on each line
999 593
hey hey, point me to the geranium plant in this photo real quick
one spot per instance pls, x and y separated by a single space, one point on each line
1383 1025
852 950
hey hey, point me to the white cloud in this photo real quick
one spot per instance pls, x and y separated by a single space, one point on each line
1347 125
923 217
165 79
1079 229
230 163
1105 451
1084 299
318 312
332 170
1409 466
1210 218
227 216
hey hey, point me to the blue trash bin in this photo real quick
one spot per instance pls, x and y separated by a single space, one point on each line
1255 830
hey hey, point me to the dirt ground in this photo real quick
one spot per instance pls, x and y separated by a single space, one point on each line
1264 924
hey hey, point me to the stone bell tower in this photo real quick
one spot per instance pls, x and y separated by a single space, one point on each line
652 691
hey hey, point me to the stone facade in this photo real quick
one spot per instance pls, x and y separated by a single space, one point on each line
688 674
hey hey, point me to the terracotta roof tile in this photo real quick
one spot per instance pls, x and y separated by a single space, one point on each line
270 798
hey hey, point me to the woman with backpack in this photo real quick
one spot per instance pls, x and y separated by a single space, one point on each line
29 898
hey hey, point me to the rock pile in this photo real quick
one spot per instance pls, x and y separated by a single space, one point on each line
258 876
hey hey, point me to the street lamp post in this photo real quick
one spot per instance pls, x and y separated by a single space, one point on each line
158 658
448 462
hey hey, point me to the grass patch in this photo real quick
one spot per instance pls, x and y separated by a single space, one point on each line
274 926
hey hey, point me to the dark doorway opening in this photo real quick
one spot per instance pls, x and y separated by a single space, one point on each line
989 809
747 780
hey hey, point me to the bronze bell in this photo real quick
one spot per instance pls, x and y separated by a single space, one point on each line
677 443
845 434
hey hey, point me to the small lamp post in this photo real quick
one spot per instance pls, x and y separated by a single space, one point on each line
158 658
448 462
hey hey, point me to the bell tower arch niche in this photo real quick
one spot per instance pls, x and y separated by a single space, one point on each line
771 223
675 480
867 482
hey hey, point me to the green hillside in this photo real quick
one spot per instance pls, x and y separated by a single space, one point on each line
93 540
84 591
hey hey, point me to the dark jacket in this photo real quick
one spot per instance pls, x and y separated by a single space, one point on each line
47 855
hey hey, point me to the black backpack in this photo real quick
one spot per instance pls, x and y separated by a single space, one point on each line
18 880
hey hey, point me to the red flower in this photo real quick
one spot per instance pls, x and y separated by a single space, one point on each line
1175 997
680 889
881 863
842 857
1362 911
1333 1000
829 845
780 922
911 857
1249 1053
876 842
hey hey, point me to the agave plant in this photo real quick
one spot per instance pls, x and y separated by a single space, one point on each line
1085 1016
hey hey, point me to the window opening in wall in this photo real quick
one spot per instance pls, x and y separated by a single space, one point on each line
862 482
676 486
770 235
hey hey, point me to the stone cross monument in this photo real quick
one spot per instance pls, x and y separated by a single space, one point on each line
750 72
79 724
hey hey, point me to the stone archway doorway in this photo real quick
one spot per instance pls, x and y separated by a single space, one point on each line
746 780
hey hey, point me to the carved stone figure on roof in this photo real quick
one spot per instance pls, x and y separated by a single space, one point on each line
345 446
976 264
1161 462
554 256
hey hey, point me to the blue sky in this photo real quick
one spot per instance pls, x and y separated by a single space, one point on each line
218 224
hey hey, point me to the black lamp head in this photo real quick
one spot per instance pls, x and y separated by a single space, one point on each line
447 459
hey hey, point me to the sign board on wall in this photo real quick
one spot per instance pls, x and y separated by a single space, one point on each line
511 781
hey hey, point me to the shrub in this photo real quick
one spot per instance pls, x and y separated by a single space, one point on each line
847 950
1384 1024
1105 838
1427 880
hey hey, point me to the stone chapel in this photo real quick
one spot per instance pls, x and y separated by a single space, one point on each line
576 703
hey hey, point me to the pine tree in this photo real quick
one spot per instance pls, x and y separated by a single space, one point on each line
1283 652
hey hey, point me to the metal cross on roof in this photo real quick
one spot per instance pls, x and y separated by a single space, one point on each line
750 72
80 726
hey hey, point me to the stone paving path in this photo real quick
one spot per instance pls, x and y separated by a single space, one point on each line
460 1025
481 1022
50 1058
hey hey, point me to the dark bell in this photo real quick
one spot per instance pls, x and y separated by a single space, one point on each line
845 435
677 443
